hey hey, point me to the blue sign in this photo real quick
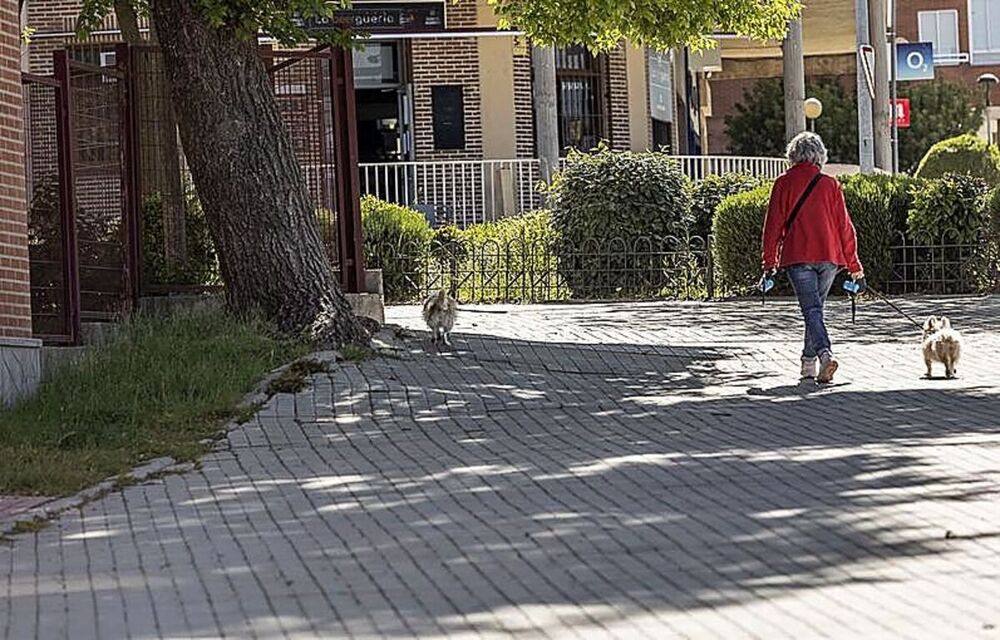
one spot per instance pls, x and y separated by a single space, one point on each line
915 61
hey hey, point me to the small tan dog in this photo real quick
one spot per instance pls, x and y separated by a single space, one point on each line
440 310
941 344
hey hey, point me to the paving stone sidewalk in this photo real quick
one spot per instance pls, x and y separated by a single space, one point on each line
575 471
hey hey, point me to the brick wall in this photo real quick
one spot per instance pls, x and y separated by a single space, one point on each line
524 104
909 28
15 300
446 61
618 105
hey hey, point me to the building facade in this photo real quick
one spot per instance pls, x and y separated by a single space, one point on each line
965 35
19 353
479 81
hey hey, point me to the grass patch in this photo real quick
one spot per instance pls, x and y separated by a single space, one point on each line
29 526
293 379
159 390
356 353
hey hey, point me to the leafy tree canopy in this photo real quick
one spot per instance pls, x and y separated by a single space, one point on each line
240 18
660 24
601 24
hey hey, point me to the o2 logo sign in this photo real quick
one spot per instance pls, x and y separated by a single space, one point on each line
914 61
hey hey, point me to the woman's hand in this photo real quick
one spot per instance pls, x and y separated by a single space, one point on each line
858 275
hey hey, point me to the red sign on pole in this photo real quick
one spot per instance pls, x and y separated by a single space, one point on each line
902 112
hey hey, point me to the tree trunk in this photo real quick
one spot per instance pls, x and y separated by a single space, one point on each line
244 168
128 22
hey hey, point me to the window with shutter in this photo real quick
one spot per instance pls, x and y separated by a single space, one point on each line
984 31
941 28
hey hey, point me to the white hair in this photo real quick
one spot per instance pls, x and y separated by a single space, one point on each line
807 147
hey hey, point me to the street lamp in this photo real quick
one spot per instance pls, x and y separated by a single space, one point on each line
813 109
987 80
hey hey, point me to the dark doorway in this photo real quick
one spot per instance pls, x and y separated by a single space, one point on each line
379 133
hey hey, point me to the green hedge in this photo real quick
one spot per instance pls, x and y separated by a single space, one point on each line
200 266
708 193
737 232
879 205
604 198
397 241
965 154
951 209
513 259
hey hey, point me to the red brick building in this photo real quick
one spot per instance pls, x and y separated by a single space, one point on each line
603 97
966 38
19 353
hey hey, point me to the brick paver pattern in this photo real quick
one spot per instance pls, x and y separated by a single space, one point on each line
614 470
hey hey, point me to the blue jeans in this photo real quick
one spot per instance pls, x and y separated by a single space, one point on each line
812 284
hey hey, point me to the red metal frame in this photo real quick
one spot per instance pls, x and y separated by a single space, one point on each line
130 173
67 194
345 153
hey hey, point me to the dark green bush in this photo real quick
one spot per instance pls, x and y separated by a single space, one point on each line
736 231
609 201
966 155
199 266
993 214
879 205
708 193
513 259
397 241
951 209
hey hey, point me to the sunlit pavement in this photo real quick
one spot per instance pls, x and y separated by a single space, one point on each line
615 470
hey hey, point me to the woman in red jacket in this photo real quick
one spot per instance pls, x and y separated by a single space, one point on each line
813 239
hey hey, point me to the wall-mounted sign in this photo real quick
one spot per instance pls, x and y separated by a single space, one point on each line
661 86
902 112
914 61
382 17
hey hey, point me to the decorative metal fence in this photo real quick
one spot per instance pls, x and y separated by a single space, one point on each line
544 270
639 268
945 267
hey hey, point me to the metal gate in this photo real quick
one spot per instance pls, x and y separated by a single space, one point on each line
314 91
83 231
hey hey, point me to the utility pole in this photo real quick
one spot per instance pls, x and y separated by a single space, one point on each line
880 110
866 148
793 66
543 62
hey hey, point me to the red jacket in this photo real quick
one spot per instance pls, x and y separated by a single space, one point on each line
822 232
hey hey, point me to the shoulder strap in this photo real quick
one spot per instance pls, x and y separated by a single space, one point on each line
798 205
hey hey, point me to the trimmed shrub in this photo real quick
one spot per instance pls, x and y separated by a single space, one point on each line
604 199
879 205
708 193
737 232
993 214
952 209
511 259
397 241
966 155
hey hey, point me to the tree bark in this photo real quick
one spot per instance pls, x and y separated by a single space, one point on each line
251 186
128 22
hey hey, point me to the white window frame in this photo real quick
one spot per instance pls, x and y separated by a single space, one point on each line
987 57
943 59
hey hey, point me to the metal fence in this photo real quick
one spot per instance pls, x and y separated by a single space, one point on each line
945 267
639 268
544 270
465 192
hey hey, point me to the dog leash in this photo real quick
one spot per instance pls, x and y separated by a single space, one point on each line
884 298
